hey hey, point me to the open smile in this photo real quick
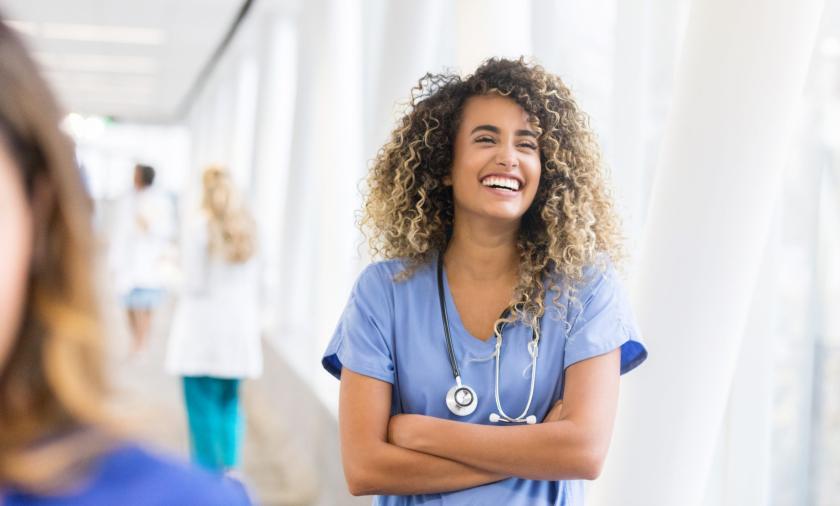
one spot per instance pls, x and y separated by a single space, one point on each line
506 183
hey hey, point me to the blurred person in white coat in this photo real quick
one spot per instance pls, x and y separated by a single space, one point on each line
215 339
142 242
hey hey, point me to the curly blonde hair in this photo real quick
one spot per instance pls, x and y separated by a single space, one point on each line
408 210
231 227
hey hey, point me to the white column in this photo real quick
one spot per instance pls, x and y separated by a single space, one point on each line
746 465
272 157
576 40
740 473
339 164
626 158
243 131
741 72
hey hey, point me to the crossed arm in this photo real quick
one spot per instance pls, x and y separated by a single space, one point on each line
416 454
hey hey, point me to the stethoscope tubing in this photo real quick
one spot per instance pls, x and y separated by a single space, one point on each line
453 362
533 350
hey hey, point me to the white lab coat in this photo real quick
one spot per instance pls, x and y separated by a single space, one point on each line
142 240
216 327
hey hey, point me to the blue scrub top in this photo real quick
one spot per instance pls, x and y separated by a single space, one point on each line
389 324
129 475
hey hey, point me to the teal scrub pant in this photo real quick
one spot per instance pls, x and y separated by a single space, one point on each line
215 421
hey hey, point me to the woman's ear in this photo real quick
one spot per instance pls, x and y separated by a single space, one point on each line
447 180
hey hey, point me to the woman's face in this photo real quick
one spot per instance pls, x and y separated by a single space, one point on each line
16 240
496 161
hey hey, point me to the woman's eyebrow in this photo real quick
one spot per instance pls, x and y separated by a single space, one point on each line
490 128
495 130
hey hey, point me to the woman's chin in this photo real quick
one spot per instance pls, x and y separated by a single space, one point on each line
504 215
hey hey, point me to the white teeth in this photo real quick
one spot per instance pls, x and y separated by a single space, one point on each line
505 182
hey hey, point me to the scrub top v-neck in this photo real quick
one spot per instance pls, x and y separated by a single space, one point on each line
391 325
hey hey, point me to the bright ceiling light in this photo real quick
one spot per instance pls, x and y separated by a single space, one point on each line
95 84
122 101
83 128
103 33
97 63
73 124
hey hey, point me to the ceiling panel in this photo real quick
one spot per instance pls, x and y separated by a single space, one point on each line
133 60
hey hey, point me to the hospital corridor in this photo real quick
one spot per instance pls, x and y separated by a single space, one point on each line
420 252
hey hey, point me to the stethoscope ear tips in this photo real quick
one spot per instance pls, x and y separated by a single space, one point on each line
494 418
531 420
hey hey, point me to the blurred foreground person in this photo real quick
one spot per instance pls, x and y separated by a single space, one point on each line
55 446
215 339
143 234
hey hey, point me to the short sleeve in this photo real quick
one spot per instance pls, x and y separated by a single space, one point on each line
363 336
605 322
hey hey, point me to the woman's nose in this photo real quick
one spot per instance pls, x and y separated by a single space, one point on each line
506 157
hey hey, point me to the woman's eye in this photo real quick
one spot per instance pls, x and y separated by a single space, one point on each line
528 145
485 139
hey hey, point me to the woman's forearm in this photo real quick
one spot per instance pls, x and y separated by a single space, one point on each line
392 470
571 443
372 465
546 451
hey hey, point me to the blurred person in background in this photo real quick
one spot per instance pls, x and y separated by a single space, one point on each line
497 305
215 339
141 243
58 446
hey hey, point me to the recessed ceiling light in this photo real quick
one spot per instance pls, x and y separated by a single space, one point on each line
122 101
97 63
95 86
103 33
84 128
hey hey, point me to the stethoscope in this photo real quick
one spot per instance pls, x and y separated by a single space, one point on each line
461 399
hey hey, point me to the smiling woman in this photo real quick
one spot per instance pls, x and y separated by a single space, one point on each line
496 306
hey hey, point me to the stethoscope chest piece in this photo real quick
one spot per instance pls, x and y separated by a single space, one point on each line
461 399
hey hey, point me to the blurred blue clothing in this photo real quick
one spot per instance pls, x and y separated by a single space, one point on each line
143 298
131 476
390 326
